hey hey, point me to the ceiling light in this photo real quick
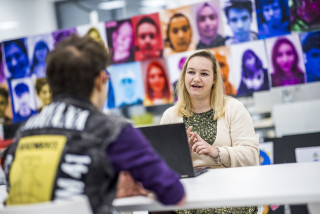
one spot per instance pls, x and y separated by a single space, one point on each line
8 25
153 3
111 5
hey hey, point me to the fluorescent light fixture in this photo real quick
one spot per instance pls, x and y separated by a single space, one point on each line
154 3
111 5
148 10
8 25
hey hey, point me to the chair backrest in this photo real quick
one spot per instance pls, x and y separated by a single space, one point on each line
78 205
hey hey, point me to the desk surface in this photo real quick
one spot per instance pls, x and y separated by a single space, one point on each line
296 183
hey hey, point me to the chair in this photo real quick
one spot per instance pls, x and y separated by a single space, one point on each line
78 205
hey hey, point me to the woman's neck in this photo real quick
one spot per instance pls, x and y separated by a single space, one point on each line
201 105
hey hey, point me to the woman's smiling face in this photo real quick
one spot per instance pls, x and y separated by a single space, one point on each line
199 77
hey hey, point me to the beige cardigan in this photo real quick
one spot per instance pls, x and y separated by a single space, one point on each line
235 138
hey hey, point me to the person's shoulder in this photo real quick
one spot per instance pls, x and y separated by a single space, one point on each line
171 110
232 104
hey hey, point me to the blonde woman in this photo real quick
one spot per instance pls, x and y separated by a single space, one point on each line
220 129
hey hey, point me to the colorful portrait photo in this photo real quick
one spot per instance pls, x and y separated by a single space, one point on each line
23 99
59 35
273 18
16 59
178 29
223 57
209 24
240 23
147 36
175 64
250 67
127 84
156 82
286 60
120 41
97 31
304 15
311 50
5 104
2 76
43 92
39 47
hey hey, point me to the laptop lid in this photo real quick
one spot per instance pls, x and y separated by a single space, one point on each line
171 143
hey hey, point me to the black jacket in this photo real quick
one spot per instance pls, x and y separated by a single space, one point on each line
61 152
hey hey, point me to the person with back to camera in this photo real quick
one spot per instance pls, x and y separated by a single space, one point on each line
305 15
43 92
285 61
208 24
87 148
239 16
16 58
148 39
4 102
274 18
220 129
179 34
254 77
38 66
311 49
157 85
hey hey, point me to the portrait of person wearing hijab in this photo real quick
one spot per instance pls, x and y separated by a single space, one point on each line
16 58
207 18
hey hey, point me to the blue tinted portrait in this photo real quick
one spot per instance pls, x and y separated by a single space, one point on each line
254 77
273 17
61 34
16 58
38 66
311 49
128 86
23 106
239 16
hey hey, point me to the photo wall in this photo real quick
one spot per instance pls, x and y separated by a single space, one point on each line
259 44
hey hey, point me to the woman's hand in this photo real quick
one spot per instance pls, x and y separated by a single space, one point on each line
200 146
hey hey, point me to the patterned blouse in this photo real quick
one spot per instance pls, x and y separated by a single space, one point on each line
206 127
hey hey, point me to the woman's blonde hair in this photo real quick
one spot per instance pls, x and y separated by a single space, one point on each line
184 105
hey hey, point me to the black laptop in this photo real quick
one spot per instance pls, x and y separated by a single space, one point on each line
171 143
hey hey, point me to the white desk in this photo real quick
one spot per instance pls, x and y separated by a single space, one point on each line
296 183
